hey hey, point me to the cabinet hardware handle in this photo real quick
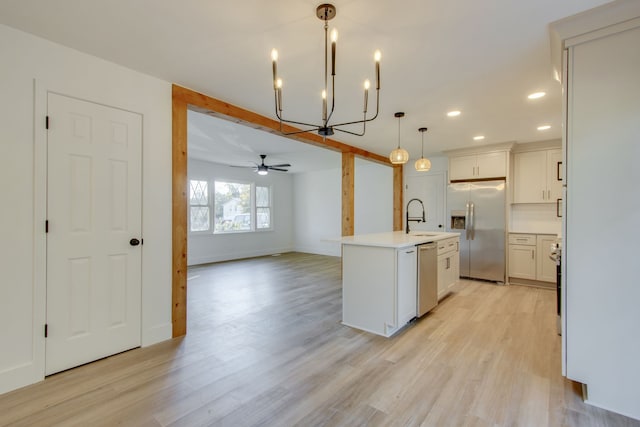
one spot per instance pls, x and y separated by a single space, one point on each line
543 198
558 213
533 254
558 171
409 252
448 263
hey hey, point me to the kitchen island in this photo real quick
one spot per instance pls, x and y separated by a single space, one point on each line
380 277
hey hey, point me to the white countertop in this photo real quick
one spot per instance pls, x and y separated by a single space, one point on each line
396 239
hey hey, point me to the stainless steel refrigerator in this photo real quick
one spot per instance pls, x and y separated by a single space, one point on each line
477 211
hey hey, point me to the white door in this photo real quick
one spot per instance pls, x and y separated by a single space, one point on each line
430 189
94 210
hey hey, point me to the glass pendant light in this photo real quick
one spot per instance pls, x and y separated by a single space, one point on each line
422 164
399 156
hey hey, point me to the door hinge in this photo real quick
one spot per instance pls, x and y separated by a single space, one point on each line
46 226
46 122
46 330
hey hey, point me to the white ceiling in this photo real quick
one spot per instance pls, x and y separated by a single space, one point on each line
226 142
481 57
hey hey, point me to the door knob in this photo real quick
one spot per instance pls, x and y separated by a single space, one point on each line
134 242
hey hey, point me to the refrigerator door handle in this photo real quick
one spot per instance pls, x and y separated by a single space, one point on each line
467 224
472 209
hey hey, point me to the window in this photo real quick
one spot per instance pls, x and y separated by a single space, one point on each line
228 207
232 202
199 208
263 207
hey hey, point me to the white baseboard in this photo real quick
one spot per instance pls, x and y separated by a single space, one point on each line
157 334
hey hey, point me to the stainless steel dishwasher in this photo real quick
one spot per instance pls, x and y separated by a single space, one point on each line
427 277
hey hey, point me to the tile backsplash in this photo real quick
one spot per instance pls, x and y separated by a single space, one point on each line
537 218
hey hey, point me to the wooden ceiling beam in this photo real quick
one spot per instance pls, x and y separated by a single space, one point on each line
223 110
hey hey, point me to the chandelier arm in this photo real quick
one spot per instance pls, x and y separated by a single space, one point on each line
275 96
299 123
300 131
349 132
281 119
364 129
333 98
365 120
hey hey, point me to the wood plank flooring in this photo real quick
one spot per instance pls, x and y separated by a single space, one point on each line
265 347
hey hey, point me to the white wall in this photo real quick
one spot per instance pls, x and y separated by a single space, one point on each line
204 248
373 198
438 164
538 218
318 210
31 67
431 189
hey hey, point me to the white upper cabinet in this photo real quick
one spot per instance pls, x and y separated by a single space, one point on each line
537 176
554 174
478 166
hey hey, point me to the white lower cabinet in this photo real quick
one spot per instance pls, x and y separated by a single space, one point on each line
529 257
407 274
522 261
378 287
545 266
448 265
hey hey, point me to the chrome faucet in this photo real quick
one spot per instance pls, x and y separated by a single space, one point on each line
415 219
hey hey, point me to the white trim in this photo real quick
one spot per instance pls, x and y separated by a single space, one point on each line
538 146
156 334
590 24
603 32
482 149
232 256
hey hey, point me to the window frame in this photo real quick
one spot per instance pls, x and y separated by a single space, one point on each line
269 206
209 205
251 204
253 209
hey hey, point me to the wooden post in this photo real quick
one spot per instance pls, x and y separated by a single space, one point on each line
179 219
348 190
397 198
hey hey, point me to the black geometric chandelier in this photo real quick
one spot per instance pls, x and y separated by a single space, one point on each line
327 12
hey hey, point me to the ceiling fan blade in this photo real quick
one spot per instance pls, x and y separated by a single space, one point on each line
283 165
277 169
255 165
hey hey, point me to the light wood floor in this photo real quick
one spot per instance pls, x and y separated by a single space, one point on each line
266 348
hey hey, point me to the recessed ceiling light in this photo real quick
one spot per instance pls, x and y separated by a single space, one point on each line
544 127
453 113
536 95
478 138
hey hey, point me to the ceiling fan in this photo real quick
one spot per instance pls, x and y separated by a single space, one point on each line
263 169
